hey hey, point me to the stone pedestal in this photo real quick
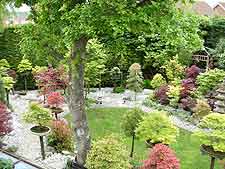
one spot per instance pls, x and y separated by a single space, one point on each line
220 101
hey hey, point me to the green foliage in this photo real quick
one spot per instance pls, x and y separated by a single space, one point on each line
213 30
201 109
95 63
24 66
147 84
219 53
6 164
4 66
8 82
39 69
118 89
108 153
2 92
135 78
37 115
174 70
156 127
174 95
157 81
9 46
209 80
212 133
130 121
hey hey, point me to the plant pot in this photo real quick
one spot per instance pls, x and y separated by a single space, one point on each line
40 130
210 151
149 144
56 111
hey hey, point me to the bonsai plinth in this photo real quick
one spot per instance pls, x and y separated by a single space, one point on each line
41 131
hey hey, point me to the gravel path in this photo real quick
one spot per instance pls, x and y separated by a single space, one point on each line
28 144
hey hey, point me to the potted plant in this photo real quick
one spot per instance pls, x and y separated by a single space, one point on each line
24 68
55 100
40 117
156 128
211 136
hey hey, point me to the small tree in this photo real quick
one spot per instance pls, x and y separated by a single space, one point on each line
135 79
4 66
5 124
161 157
24 67
157 81
130 122
212 136
37 115
8 83
156 127
55 99
108 153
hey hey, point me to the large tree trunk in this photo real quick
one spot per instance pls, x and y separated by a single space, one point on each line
76 99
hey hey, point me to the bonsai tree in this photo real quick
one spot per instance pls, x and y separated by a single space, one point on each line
108 153
201 109
135 79
130 122
55 100
37 115
5 124
161 157
24 67
156 127
212 136
41 117
8 83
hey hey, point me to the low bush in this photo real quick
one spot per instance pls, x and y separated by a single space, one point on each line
108 153
147 84
209 80
156 127
6 164
157 81
174 95
119 89
201 109
61 138
161 157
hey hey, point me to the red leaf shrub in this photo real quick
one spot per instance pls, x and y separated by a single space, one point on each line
55 99
188 85
187 103
161 94
193 72
5 117
161 157
61 137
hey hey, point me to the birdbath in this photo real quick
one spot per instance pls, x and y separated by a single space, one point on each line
41 131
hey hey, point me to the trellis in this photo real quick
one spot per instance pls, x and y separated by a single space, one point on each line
204 58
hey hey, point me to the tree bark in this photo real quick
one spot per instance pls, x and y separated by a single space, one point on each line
76 99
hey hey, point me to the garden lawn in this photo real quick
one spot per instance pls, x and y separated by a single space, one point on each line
104 121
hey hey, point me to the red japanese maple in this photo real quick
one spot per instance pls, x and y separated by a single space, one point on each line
161 94
51 80
55 99
5 117
161 157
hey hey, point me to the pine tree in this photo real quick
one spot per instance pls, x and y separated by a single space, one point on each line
135 79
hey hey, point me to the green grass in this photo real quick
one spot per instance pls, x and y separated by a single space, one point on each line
108 120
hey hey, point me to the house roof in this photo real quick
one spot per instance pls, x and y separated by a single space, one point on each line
202 8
